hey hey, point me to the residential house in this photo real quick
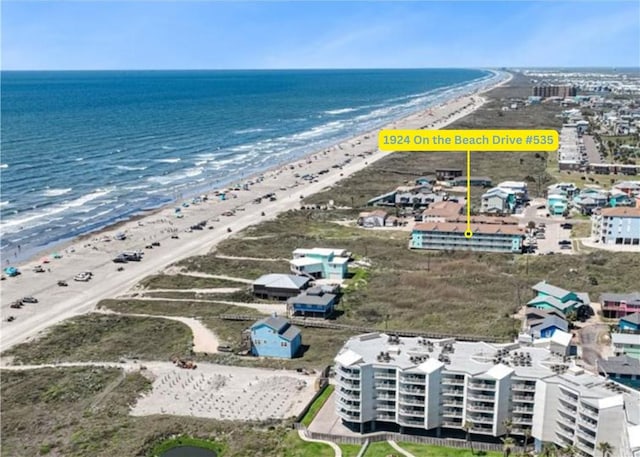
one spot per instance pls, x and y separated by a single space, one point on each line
275 337
415 195
630 323
567 188
441 211
426 180
557 204
619 198
617 226
320 263
626 343
314 302
543 324
475 181
619 305
622 369
451 236
445 174
552 297
371 219
630 188
279 286
520 189
498 200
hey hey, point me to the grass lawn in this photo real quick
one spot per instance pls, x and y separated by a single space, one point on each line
317 405
350 450
381 449
98 337
581 229
237 268
424 450
293 446
186 282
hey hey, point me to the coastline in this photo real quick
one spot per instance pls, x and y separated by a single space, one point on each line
91 251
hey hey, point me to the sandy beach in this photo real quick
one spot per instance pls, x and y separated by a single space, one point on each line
95 252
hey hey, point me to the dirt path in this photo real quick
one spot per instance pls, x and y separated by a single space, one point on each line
217 290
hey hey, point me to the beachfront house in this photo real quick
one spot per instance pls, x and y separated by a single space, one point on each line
279 286
622 369
489 237
275 337
619 305
420 195
557 204
630 323
626 343
549 297
540 323
498 200
372 219
475 181
519 188
445 174
314 302
320 263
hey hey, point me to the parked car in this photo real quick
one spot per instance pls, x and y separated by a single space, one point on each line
29 300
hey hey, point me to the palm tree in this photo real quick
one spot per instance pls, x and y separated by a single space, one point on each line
549 450
508 425
605 448
569 451
527 434
468 425
507 445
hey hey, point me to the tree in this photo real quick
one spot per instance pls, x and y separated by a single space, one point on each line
569 451
605 448
507 446
549 450
527 434
508 425
468 425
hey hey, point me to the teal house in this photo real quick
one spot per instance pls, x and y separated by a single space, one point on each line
550 297
557 204
275 337
320 263
630 323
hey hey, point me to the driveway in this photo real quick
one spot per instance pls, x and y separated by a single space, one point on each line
593 340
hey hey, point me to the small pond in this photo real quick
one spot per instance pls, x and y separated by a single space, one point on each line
188 451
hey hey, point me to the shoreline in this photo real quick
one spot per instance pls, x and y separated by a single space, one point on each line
94 253
30 254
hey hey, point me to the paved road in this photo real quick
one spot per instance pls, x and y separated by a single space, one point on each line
593 154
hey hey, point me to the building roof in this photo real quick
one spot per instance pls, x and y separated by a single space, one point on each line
562 338
553 301
625 338
484 219
443 208
305 261
305 299
537 314
450 227
621 211
513 184
632 297
632 318
554 291
279 325
549 321
623 365
499 192
377 212
281 281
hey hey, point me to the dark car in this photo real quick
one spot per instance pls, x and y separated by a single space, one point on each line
29 300
120 259
564 243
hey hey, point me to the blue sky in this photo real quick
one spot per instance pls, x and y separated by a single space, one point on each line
187 35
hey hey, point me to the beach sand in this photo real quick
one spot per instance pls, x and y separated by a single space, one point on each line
93 253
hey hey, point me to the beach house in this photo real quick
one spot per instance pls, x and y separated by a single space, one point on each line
626 343
549 297
498 200
619 305
630 323
622 369
279 286
314 302
320 263
540 323
275 337
441 211
519 188
370 219
557 204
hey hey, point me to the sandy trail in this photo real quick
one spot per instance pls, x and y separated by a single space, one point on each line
95 254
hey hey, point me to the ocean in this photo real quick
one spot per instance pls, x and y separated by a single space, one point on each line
82 150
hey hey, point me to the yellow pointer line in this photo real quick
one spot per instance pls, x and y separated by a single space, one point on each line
469 191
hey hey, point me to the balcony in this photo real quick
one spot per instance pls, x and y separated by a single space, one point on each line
524 387
385 385
482 430
349 405
480 407
386 417
349 394
480 418
347 382
567 405
480 397
412 391
588 447
453 381
385 396
459 392
524 398
412 379
565 432
452 423
414 412
411 401
522 420
350 374
386 407
589 412
449 401
349 415
479 385
523 410
587 420
411 421
586 434
452 413
384 375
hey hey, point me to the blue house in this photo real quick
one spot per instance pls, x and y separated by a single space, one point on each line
544 323
275 337
320 263
550 297
315 302
630 323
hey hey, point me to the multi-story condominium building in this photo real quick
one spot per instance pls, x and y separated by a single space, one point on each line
436 387
450 235
619 305
554 91
617 226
